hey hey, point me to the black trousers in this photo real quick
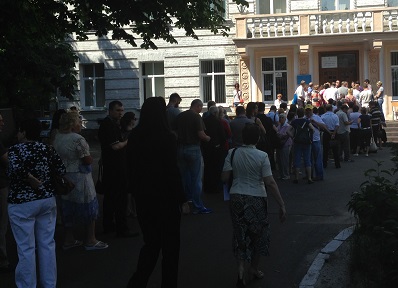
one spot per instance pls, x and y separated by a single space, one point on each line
161 232
115 199
213 159
335 149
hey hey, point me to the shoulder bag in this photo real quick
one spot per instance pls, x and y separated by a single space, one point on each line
61 184
228 184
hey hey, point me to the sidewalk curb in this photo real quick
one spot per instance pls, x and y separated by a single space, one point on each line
309 280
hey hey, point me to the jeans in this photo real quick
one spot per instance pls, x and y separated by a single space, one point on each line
316 149
33 226
3 226
190 164
302 150
380 103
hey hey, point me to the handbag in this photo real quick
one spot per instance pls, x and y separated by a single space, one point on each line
228 184
373 146
61 184
99 185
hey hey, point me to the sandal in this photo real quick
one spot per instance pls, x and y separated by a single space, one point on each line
97 246
257 273
76 243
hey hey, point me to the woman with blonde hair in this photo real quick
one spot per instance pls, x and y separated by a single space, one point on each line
81 205
350 96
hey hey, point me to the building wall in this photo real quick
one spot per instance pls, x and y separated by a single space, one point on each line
181 67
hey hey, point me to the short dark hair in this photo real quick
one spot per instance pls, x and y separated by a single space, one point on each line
32 128
210 104
175 97
126 119
240 110
283 105
355 108
250 134
196 102
300 112
114 103
261 106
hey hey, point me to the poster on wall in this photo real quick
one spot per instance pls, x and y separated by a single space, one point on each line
329 62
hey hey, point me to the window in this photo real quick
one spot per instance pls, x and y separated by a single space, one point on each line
331 5
271 6
222 3
93 85
274 74
152 79
392 3
394 73
213 81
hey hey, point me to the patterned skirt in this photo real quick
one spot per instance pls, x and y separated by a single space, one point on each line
250 225
81 205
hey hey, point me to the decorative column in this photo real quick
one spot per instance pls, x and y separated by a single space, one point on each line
244 74
304 60
374 64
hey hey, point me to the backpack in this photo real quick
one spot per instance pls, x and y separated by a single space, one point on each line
303 134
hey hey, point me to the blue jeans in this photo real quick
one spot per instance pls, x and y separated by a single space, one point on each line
33 226
316 148
380 103
303 150
190 164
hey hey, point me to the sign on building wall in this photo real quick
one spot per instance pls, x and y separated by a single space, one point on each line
329 62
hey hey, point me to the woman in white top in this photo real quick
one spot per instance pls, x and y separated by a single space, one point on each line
278 101
237 95
81 205
251 174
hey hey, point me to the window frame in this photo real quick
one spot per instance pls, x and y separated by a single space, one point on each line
273 72
271 6
393 67
152 77
94 79
337 5
213 84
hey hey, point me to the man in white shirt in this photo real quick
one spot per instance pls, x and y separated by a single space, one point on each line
332 123
331 92
300 92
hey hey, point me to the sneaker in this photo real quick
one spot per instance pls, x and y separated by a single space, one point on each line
356 155
286 178
366 155
204 210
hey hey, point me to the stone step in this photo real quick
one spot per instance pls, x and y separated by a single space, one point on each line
392 131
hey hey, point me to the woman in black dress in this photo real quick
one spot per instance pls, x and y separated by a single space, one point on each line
156 184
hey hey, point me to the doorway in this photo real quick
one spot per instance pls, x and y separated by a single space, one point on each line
342 65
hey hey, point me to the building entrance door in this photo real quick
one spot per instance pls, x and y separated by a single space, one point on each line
342 65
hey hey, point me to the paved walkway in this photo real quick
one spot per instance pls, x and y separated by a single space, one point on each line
317 213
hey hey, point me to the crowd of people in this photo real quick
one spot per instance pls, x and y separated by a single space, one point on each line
190 154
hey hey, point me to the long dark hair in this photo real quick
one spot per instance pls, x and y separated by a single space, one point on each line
153 117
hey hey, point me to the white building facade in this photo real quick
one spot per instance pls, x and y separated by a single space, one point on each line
273 44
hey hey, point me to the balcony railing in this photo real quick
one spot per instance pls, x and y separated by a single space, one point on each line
317 23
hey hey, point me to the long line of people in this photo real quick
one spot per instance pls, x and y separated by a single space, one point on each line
293 138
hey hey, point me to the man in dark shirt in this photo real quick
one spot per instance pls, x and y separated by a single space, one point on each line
376 119
190 130
4 265
113 152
